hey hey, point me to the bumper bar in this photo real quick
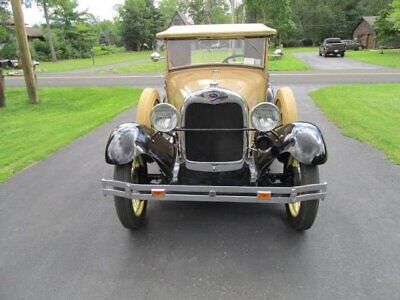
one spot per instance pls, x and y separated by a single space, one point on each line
244 194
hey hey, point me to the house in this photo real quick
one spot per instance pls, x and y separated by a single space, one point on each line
365 32
31 32
179 19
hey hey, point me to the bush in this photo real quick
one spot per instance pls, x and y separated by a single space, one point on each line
10 49
290 43
107 49
307 42
41 50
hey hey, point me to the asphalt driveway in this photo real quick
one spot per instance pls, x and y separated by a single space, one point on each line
335 63
60 239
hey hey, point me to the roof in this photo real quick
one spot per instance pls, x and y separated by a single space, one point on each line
181 17
370 19
216 31
33 32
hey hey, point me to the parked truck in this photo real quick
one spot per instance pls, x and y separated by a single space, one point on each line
332 46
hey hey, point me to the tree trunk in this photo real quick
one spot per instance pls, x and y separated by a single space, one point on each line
24 51
49 36
2 88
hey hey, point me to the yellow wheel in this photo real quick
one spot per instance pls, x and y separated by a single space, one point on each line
287 105
148 99
301 215
131 212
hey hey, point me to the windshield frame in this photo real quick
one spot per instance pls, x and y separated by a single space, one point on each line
262 66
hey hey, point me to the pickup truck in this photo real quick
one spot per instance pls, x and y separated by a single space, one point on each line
333 46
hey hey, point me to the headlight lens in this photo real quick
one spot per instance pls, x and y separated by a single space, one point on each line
164 117
265 117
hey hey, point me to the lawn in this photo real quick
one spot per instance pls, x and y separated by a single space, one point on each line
369 113
287 63
85 63
389 58
32 132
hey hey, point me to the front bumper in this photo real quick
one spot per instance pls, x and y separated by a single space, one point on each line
244 194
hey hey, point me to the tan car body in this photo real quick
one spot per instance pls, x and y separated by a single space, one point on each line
248 81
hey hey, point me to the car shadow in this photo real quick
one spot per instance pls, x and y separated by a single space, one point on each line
210 226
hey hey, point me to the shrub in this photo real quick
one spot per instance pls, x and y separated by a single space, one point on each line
107 49
307 42
290 43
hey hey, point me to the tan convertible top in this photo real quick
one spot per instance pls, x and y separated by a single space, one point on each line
216 31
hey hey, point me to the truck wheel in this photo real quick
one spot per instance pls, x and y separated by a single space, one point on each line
342 54
131 212
320 54
148 99
301 215
286 103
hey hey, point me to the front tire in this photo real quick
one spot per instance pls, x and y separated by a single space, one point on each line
342 54
131 212
301 215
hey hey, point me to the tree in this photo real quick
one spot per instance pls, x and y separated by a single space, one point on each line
254 11
75 33
46 4
25 54
4 16
394 16
386 32
140 21
207 11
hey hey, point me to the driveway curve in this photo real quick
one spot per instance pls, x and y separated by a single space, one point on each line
335 63
60 239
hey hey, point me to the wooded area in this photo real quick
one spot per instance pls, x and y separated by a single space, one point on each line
71 33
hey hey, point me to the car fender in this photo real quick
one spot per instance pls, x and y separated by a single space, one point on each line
304 141
130 140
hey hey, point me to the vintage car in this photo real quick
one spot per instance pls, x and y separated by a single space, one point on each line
219 132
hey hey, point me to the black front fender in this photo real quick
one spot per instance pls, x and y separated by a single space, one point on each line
304 141
129 140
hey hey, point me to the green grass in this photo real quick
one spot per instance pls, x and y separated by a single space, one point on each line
292 50
85 63
369 113
32 132
287 63
150 67
389 58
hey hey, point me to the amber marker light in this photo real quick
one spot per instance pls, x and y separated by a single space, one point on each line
158 193
264 195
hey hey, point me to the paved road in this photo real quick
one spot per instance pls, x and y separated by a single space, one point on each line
277 78
335 63
60 239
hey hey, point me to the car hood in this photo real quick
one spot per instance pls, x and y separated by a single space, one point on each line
250 83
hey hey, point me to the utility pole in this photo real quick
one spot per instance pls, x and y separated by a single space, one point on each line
233 11
25 53
2 88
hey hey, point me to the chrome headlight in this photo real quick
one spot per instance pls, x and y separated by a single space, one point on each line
164 117
265 116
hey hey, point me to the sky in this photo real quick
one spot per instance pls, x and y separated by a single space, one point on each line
100 8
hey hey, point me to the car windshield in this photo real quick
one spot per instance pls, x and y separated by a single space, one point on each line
246 51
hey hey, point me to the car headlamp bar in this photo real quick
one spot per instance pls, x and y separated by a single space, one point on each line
215 129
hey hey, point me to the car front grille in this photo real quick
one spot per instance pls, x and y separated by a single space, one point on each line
213 145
